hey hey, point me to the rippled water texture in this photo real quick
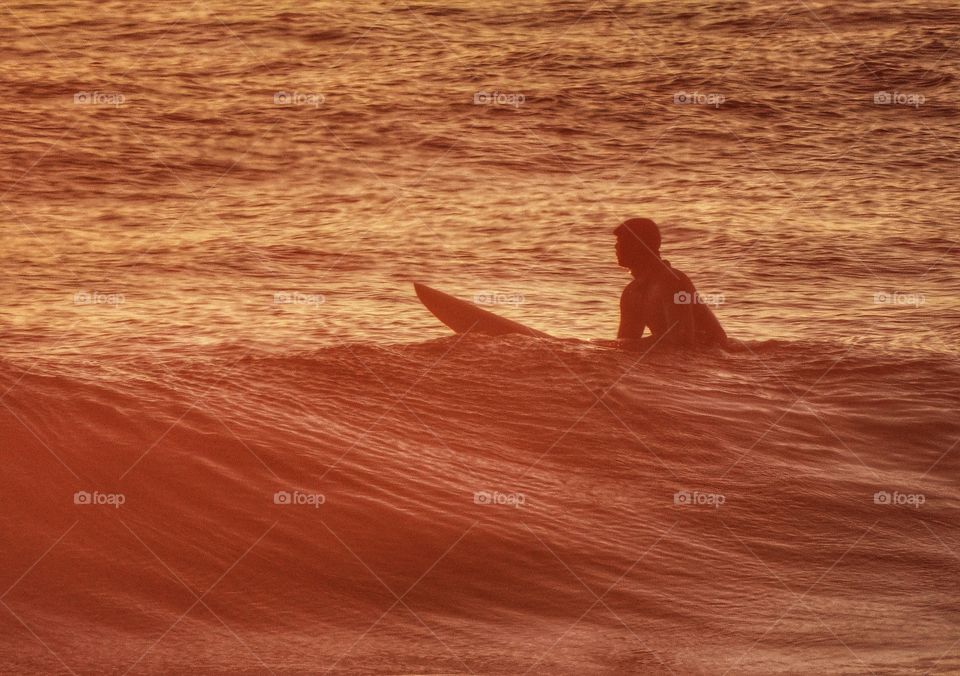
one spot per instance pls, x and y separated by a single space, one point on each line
234 441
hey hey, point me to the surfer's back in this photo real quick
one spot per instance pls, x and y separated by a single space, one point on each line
666 302
705 328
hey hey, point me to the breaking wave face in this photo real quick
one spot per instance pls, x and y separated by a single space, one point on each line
484 504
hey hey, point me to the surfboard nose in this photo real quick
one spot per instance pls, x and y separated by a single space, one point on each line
424 293
464 317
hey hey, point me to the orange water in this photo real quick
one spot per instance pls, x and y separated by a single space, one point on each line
212 215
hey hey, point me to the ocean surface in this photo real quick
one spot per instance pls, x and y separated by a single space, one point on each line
234 441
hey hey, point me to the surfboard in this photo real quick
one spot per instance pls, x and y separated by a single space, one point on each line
465 317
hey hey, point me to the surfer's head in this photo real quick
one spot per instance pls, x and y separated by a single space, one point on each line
638 242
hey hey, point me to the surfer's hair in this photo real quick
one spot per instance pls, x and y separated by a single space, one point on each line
643 230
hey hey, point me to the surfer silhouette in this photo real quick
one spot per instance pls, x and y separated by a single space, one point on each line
660 297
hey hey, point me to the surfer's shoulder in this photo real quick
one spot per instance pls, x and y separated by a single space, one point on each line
630 291
674 279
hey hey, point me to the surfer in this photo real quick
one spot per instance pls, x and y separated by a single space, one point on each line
660 297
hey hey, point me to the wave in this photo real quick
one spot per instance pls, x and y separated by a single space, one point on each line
497 479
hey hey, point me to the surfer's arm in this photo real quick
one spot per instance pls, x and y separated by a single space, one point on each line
680 324
673 316
628 330
631 318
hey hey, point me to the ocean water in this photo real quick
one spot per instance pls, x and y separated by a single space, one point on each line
235 442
